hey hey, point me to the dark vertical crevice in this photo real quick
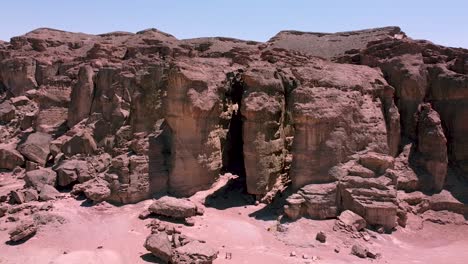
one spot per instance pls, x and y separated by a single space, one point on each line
287 128
160 157
233 149
3 91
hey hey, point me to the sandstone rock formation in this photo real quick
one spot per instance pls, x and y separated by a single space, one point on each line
317 201
351 121
159 245
173 207
194 251
180 249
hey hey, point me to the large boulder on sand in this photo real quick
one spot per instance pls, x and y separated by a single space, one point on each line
173 207
364 252
159 245
36 147
23 230
96 189
194 252
48 192
9 157
38 178
349 218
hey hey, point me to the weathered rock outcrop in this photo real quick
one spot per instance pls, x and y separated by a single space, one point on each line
337 112
432 146
424 72
81 97
373 198
346 118
317 201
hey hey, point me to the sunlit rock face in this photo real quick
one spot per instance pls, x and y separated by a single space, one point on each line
146 113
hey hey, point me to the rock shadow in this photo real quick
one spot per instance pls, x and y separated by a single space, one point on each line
148 257
274 209
19 242
233 194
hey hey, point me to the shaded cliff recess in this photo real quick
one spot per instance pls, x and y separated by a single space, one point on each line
233 149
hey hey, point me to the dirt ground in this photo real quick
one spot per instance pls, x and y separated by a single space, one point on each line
106 233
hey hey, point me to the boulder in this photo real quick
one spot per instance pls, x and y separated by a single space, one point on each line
9 157
317 201
194 252
361 171
359 251
40 177
17 196
376 162
24 196
7 112
349 218
294 206
24 230
3 210
364 252
28 120
159 245
71 171
98 192
30 195
48 193
36 147
173 207
95 189
81 143
321 237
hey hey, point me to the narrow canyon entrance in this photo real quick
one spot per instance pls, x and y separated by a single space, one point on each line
233 151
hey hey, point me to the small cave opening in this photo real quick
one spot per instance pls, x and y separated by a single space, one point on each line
233 150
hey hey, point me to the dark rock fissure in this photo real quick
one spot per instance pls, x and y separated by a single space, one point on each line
233 152
3 90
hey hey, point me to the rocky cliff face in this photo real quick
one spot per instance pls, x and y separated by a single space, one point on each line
135 115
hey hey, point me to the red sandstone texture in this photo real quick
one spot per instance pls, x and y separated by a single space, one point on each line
366 126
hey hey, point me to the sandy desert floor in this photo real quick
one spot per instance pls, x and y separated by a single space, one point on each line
105 233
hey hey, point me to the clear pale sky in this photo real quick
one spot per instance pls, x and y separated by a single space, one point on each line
443 22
